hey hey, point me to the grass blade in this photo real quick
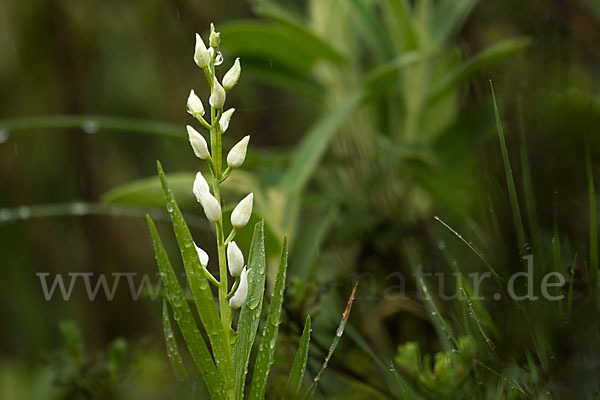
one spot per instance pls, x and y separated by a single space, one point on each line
266 352
448 17
183 315
172 349
593 220
294 382
336 340
250 314
500 51
510 182
314 144
469 245
94 123
200 287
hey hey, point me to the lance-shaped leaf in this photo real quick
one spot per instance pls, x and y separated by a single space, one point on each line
183 315
266 352
199 286
172 349
250 314
294 382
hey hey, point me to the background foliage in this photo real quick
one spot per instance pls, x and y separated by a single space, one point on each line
368 118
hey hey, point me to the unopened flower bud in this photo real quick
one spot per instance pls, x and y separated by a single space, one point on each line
232 76
242 212
239 298
215 37
211 206
235 259
194 105
237 154
201 56
217 98
198 143
200 186
224 121
202 256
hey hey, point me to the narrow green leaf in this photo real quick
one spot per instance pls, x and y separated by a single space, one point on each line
510 183
172 349
294 382
296 26
448 17
92 124
439 322
500 51
259 40
306 245
250 313
593 220
183 315
266 351
314 144
200 287
334 343
403 25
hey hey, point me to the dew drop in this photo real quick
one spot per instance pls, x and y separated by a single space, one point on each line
4 215
90 126
79 208
3 135
219 58
433 313
24 212
169 207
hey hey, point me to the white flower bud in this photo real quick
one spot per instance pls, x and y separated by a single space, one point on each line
237 154
200 186
211 206
242 212
235 259
194 104
198 143
232 76
215 37
202 256
217 98
239 298
224 121
201 56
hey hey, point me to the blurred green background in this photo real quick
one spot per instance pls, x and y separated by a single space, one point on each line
368 118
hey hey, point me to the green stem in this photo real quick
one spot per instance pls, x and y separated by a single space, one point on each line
234 288
216 150
210 276
231 236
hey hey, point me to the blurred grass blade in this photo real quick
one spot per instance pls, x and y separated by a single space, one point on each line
93 124
172 350
148 191
311 149
401 12
266 351
81 208
183 315
528 189
294 382
593 220
448 83
261 41
251 310
295 26
306 245
448 17
474 317
200 287
366 22
336 340
510 183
